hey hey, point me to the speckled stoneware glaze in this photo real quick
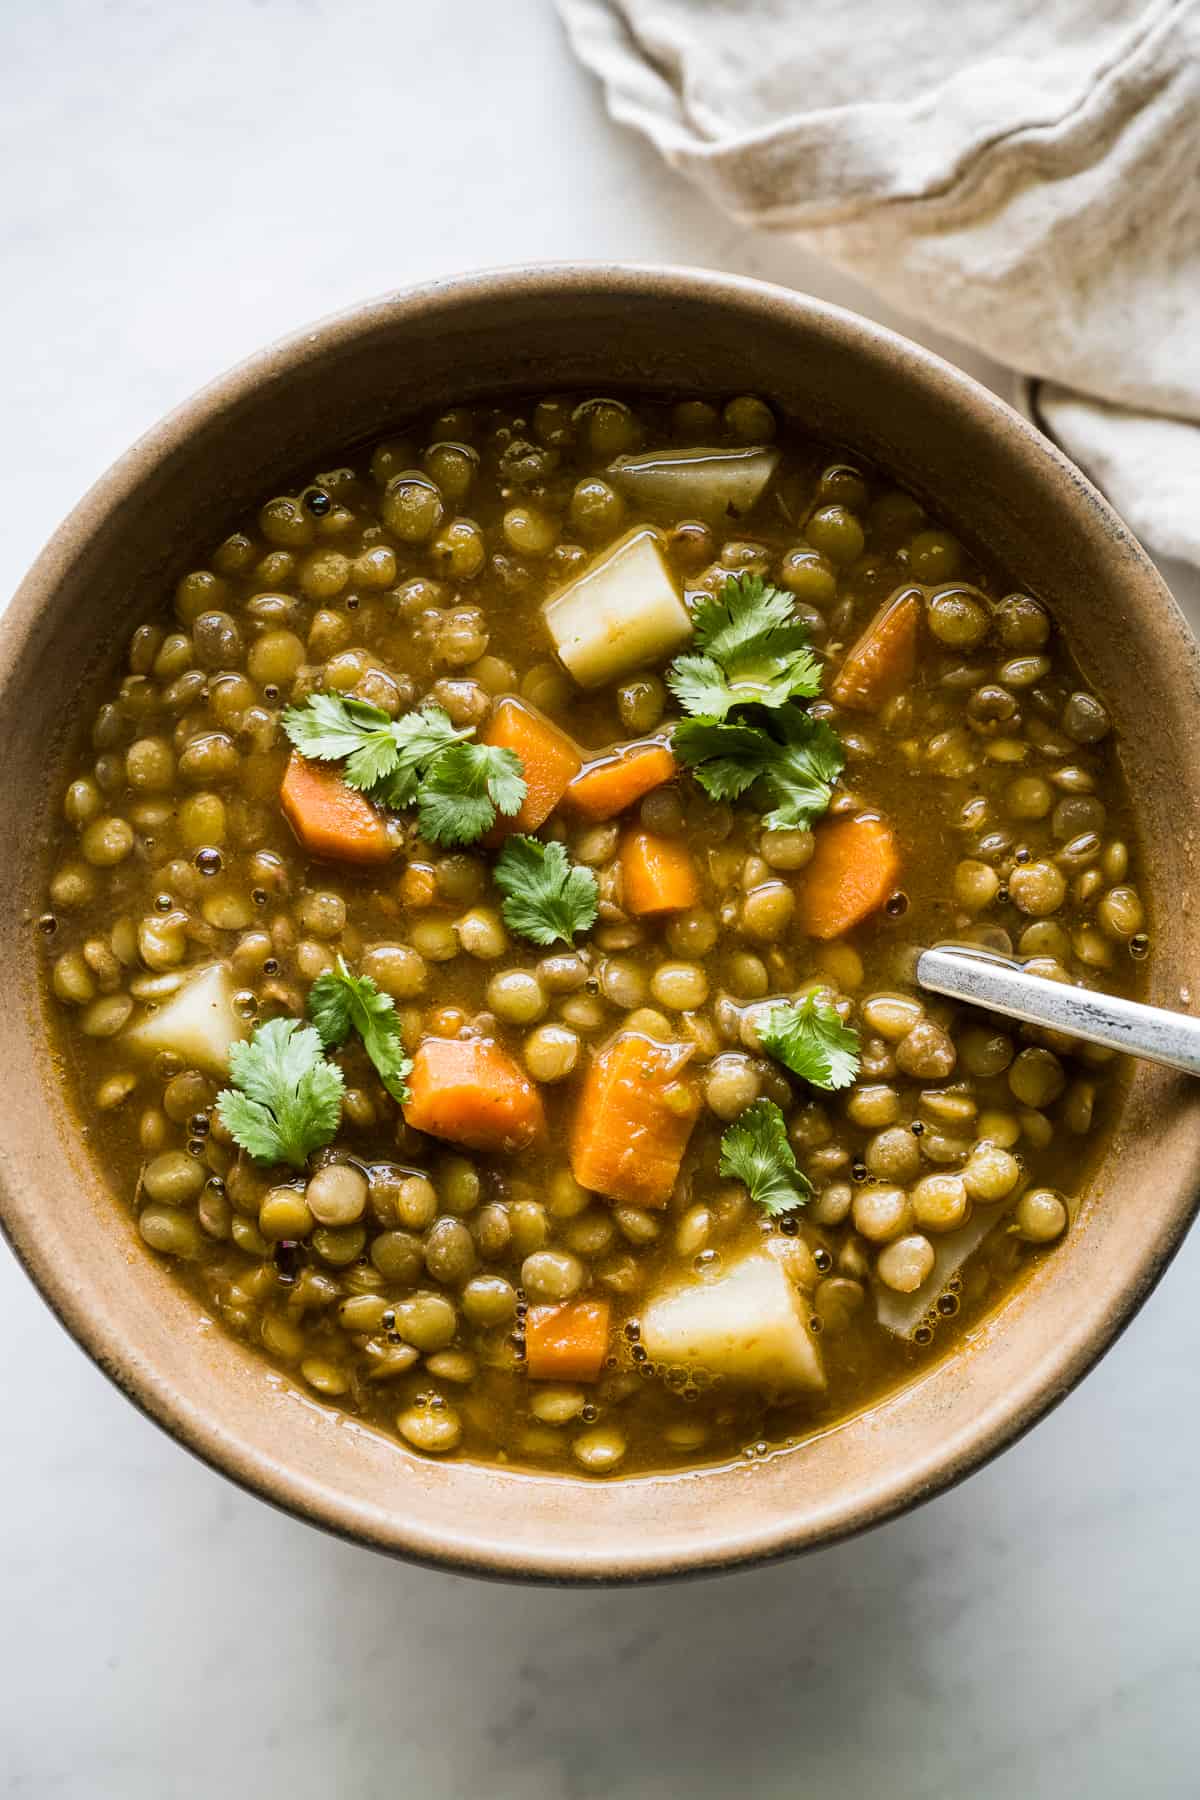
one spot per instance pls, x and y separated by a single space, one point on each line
993 478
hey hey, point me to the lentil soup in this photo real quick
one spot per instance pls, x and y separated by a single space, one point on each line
483 925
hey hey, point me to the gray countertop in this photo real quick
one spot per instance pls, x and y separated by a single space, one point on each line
182 184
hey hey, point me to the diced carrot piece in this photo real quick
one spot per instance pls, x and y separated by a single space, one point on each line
471 1092
633 1120
657 874
853 870
884 659
611 783
330 819
548 756
568 1342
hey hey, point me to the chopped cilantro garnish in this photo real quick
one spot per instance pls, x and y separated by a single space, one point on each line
547 898
755 1150
794 759
286 1100
419 759
809 1038
755 652
340 1002
464 789
745 730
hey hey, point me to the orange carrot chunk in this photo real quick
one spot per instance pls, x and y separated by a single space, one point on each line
470 1091
549 758
633 1120
884 659
854 868
568 1342
606 787
332 820
657 874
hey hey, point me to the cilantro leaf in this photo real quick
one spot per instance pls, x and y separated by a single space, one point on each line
419 759
725 759
382 755
756 652
340 1001
795 759
746 617
371 764
463 790
330 1002
809 1038
546 897
754 662
703 687
329 727
755 1150
801 773
418 738
287 1099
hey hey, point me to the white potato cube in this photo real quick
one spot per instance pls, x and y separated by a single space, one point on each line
198 1023
717 486
620 614
749 1325
902 1313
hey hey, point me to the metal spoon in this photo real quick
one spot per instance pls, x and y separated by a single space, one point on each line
985 978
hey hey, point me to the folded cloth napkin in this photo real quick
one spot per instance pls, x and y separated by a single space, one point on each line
1023 174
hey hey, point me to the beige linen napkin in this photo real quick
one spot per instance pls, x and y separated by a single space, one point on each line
1024 174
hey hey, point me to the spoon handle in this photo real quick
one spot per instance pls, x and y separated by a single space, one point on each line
981 977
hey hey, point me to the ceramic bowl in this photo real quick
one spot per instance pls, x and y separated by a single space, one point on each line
990 476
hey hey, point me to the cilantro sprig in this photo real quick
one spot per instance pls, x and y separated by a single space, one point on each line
463 790
808 1037
794 759
745 729
420 759
340 1002
755 651
755 1150
546 897
376 749
286 1100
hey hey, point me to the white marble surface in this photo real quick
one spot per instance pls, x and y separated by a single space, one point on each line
183 183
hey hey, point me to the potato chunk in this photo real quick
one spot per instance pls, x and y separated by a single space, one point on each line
902 1313
748 1325
717 486
198 1023
620 614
